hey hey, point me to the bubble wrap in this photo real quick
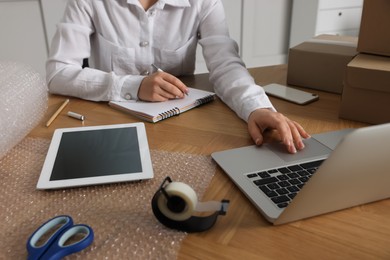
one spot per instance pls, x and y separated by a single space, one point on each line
120 214
23 103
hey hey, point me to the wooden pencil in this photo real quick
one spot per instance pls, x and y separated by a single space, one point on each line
57 112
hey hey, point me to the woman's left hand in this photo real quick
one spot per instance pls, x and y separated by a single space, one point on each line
291 133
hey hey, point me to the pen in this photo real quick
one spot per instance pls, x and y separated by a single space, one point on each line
75 115
57 112
158 69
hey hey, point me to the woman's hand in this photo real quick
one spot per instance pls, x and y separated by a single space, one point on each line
161 86
291 133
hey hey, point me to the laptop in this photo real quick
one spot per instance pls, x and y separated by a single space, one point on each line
336 170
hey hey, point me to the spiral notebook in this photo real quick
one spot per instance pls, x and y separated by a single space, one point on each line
157 111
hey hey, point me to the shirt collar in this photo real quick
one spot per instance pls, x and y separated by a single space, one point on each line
178 3
161 3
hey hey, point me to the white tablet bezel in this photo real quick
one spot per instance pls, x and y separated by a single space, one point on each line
44 181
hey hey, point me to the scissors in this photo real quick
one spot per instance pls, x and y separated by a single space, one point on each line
57 238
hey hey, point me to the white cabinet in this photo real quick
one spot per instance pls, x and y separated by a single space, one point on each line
265 30
22 33
314 17
261 29
53 10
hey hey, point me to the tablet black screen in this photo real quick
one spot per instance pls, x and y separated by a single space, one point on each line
95 153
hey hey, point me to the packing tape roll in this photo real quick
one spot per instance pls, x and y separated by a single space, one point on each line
181 191
175 203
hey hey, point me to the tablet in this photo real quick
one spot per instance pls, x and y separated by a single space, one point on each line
96 155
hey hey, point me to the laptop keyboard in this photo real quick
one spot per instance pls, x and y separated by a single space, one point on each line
282 184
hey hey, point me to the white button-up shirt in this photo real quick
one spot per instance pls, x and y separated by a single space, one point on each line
122 40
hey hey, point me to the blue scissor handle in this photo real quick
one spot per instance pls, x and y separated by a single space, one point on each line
53 247
35 250
58 250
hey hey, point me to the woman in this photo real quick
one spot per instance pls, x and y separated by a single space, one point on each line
122 39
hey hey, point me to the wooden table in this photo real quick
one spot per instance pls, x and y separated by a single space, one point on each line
359 233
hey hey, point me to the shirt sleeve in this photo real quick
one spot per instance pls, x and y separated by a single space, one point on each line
70 45
232 81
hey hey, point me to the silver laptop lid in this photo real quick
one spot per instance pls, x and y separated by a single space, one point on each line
240 162
356 173
351 151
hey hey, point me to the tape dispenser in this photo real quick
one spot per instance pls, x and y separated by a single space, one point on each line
175 203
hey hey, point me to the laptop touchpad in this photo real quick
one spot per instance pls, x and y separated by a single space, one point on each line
313 148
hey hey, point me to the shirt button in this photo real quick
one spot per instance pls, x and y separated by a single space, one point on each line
144 43
145 73
127 96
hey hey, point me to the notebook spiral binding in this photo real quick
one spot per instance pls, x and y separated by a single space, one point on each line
205 100
167 114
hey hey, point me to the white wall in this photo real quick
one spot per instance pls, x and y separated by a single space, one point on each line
265 32
23 37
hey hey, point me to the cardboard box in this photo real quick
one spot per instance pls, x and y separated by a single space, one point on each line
374 35
366 95
320 63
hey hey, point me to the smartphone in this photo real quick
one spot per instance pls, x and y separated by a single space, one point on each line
290 94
